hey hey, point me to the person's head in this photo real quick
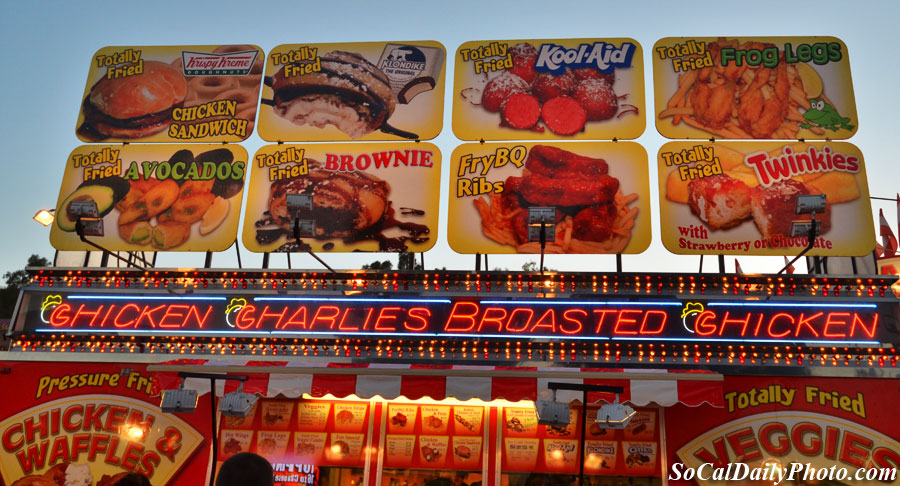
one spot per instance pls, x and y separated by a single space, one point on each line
245 469
133 479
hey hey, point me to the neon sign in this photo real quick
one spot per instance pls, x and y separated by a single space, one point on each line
461 317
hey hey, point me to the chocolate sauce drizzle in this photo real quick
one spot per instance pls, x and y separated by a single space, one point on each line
268 232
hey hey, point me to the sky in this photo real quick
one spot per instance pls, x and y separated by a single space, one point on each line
47 48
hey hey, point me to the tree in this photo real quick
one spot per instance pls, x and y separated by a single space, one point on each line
386 265
20 278
532 266
407 261
15 281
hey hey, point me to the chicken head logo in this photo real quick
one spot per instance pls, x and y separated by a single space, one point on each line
233 308
50 302
690 309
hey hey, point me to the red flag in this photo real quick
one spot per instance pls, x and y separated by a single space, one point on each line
888 240
737 267
789 269
879 250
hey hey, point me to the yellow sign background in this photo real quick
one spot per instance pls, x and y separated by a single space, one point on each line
473 122
201 89
851 233
217 239
423 116
415 187
830 81
627 162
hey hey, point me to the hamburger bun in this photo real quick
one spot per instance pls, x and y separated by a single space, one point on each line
134 106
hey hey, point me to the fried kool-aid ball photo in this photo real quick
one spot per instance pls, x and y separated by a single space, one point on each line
548 85
523 57
565 99
500 88
597 98
719 201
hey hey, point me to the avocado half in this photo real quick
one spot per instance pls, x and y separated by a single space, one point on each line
106 192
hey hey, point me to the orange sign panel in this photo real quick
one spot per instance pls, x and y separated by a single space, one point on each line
549 89
753 88
150 197
353 91
741 198
171 94
594 197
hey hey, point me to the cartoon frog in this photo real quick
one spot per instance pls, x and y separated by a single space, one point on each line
823 115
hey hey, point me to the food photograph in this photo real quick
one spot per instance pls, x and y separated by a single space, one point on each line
358 197
151 197
754 88
353 91
549 89
171 94
598 193
740 198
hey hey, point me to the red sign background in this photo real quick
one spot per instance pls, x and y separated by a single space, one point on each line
30 384
800 417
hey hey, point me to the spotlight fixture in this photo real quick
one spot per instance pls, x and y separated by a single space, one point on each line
614 415
180 400
553 413
45 216
237 403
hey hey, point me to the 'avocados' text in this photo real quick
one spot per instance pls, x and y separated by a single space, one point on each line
181 171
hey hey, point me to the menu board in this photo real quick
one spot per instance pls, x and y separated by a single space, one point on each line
596 198
434 436
151 197
530 447
740 198
753 88
171 94
318 432
353 91
353 197
549 89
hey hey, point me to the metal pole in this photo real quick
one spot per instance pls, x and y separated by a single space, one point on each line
265 260
486 267
208 262
422 255
238 250
215 439
289 259
477 262
701 264
619 262
721 263
583 427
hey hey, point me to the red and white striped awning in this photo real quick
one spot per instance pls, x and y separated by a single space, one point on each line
390 381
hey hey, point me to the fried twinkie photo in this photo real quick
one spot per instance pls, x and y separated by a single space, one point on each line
731 188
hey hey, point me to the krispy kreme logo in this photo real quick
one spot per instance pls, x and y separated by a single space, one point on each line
109 434
213 64
792 437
